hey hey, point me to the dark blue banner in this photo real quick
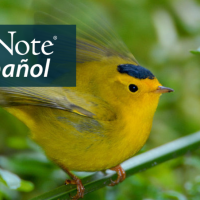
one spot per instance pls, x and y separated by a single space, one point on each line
37 55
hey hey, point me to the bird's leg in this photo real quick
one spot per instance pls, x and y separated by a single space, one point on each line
121 175
75 181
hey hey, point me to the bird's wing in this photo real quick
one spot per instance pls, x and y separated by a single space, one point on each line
95 37
58 98
95 41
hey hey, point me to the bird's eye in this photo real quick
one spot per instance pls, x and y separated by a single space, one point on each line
133 88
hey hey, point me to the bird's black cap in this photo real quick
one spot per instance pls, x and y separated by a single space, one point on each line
135 71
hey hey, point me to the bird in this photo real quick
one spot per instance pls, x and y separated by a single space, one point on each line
104 120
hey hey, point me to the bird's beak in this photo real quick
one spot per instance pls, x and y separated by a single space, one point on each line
162 89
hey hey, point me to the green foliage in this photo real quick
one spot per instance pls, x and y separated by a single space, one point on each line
195 51
160 34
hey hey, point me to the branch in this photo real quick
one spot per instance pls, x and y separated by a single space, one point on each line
132 166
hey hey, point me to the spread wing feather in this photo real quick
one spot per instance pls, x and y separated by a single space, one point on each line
58 98
95 37
15 96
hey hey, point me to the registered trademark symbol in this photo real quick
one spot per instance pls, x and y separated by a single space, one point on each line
55 37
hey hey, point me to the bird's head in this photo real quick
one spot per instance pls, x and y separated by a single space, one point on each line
136 90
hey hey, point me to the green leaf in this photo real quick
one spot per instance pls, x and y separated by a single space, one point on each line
196 52
132 166
26 186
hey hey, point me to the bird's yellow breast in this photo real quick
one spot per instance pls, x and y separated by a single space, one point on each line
81 143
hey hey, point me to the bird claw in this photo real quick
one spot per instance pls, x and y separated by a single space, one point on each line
121 175
80 187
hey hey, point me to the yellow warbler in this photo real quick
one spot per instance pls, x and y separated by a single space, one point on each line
101 122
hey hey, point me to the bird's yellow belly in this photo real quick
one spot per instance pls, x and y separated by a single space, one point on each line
80 143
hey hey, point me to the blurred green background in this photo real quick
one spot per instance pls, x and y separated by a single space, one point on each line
160 34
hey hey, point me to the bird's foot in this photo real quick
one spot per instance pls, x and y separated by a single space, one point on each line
121 175
80 188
